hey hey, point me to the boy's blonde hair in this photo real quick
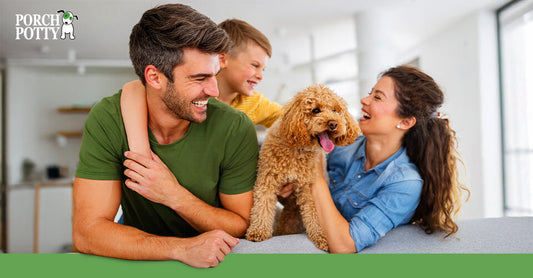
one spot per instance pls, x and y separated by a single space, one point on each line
240 33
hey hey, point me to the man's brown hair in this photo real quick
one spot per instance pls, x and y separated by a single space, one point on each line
241 33
164 31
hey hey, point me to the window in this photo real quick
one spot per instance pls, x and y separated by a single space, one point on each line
2 167
327 55
515 27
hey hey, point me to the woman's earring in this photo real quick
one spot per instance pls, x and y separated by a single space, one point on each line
398 126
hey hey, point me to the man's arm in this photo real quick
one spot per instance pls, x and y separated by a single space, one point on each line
94 232
154 181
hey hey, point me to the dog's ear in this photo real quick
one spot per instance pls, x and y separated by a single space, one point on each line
292 125
352 128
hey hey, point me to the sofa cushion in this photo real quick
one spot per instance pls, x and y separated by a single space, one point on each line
486 235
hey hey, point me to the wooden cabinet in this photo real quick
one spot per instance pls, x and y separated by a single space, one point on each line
39 216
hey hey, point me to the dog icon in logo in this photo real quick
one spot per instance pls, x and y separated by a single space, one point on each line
67 27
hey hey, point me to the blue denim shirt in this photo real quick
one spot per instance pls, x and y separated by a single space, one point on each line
373 201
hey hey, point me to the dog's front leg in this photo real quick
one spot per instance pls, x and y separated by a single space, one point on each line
263 210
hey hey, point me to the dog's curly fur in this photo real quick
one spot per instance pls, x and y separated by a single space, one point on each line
289 155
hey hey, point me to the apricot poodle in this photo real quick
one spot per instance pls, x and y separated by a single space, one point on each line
313 122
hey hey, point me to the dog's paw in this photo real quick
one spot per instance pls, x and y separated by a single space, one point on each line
321 243
257 235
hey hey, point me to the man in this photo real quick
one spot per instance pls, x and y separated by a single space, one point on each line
191 199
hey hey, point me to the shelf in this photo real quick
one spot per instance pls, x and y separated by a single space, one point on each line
74 109
62 135
76 133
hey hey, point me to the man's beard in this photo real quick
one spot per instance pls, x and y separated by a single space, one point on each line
181 107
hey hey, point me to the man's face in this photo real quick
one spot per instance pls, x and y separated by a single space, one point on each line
194 83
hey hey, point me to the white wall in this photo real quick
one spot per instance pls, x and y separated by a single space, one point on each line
463 60
33 95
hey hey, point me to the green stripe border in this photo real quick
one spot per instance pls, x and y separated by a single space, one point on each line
274 265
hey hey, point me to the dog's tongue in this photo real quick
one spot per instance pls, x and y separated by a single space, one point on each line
324 141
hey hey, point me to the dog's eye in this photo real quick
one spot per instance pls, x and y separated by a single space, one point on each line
316 111
334 111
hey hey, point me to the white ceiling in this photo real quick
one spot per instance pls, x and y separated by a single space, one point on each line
103 27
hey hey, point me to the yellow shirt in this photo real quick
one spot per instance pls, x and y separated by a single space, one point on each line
260 110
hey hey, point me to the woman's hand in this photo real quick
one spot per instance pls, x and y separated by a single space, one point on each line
286 191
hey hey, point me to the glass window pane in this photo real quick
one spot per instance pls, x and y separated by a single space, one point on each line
337 69
334 38
349 91
299 50
516 39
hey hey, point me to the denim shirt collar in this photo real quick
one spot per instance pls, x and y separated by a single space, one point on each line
360 154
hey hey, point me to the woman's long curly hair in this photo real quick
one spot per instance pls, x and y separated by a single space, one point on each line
431 146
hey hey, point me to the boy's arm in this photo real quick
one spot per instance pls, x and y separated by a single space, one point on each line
135 116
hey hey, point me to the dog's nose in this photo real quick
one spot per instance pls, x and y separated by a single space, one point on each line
332 125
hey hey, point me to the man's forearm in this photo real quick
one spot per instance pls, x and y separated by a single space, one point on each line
94 232
95 203
204 217
105 238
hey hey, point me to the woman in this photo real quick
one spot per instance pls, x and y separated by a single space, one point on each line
402 169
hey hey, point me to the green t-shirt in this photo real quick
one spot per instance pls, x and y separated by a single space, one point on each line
217 155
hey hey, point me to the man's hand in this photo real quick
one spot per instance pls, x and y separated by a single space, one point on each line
151 178
208 249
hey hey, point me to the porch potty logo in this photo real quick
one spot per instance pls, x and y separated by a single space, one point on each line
45 26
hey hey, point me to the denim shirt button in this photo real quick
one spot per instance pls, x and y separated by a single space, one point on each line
334 181
359 176
355 203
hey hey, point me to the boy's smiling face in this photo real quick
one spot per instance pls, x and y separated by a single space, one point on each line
243 68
